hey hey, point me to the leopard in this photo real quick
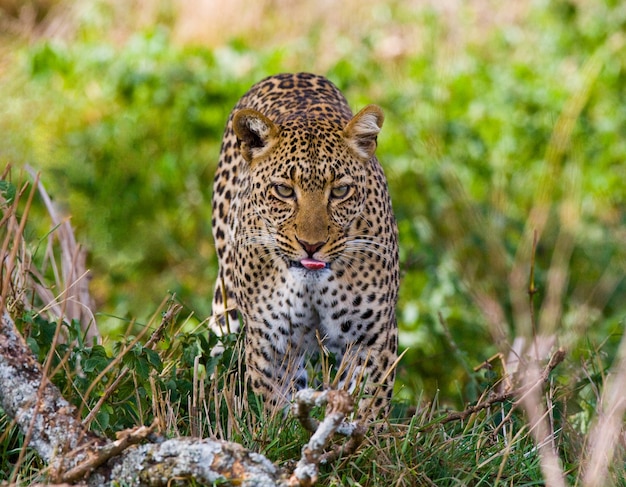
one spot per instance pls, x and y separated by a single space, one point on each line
306 241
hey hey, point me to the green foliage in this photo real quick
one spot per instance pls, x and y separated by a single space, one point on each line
518 129
130 136
8 191
126 372
10 446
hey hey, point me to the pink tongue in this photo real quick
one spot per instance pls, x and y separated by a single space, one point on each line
312 264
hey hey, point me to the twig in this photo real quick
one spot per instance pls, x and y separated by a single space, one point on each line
125 439
556 358
338 405
455 348
532 289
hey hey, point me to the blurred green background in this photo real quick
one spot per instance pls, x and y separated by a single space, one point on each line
504 120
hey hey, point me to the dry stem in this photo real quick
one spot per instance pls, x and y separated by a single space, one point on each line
496 398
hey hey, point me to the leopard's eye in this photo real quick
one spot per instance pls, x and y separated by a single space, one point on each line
340 192
283 191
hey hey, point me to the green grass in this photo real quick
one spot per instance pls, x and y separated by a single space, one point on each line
498 130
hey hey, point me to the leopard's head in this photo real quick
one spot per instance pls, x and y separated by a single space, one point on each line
305 184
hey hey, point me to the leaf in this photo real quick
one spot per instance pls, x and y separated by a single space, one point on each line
8 190
154 359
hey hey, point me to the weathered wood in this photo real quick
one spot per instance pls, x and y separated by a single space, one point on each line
43 415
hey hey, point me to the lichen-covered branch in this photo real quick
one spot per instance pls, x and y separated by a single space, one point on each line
37 406
202 460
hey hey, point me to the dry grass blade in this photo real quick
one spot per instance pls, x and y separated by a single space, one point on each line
13 273
19 278
609 425
73 302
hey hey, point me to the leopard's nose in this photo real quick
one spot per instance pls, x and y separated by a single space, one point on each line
310 248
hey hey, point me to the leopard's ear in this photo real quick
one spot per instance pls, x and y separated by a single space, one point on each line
256 133
362 131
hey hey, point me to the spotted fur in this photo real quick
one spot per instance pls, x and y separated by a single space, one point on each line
306 238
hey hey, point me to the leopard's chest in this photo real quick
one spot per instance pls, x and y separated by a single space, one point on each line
301 308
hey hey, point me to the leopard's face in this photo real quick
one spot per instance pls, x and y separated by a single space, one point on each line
306 196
